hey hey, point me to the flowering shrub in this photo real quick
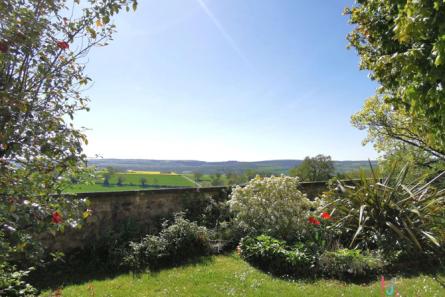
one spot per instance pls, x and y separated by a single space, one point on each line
175 243
272 205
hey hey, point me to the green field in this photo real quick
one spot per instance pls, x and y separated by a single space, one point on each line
231 276
132 181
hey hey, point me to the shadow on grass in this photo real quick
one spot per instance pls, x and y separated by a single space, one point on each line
60 275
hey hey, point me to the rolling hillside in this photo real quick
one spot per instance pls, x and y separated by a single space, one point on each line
188 166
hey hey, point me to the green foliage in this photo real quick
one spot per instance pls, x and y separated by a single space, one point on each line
273 206
207 209
143 180
402 44
175 243
276 256
13 283
43 46
347 264
390 215
392 130
318 168
120 181
299 259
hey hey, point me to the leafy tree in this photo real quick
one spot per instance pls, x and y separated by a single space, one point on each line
198 176
43 46
120 180
111 170
250 173
391 130
234 179
143 180
216 179
402 44
318 168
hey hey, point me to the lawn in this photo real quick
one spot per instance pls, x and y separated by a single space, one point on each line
132 181
230 276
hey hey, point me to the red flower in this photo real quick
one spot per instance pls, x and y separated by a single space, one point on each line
325 216
3 47
63 44
56 217
313 221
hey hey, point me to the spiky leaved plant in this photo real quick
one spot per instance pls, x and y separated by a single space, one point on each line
390 215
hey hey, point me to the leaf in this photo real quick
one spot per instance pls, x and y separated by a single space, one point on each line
432 238
86 214
397 230
106 19
411 235
92 32
135 5
360 218
359 229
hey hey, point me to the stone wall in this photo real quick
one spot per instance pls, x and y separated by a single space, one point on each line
145 208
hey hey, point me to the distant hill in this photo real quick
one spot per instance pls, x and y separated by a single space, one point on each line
188 166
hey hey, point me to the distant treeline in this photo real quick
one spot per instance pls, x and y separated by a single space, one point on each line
186 166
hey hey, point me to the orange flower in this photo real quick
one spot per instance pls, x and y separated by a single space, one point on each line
63 45
313 221
56 217
325 216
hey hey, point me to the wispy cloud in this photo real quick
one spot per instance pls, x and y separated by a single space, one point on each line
221 29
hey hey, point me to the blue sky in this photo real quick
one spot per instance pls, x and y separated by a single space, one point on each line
221 80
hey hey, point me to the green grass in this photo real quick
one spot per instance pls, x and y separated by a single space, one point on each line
132 181
231 276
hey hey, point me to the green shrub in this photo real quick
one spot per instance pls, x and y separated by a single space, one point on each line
346 264
12 283
274 206
276 256
177 242
389 215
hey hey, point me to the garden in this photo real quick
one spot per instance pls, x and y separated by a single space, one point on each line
268 238
381 235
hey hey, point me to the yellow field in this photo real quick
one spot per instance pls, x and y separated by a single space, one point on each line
150 172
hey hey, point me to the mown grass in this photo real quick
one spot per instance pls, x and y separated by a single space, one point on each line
230 276
132 181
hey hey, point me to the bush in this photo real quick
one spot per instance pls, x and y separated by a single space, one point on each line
177 242
389 215
12 283
276 256
346 264
273 206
